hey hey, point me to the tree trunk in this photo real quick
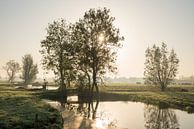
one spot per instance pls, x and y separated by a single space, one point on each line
62 88
94 85
162 86
89 85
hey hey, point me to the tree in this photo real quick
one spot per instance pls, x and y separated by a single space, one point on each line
161 66
97 41
29 69
11 67
57 51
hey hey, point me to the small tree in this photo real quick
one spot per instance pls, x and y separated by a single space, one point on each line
160 66
11 67
29 69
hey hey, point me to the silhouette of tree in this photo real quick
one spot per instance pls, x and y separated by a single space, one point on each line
97 41
57 51
11 67
160 66
29 69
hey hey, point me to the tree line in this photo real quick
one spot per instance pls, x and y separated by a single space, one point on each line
81 53
29 70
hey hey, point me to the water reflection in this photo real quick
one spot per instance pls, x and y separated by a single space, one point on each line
88 109
158 118
85 115
113 115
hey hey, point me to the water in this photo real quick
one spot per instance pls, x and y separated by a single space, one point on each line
124 115
38 87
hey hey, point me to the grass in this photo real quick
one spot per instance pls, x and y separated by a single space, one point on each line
173 96
23 109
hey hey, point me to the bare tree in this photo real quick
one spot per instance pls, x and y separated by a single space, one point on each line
11 67
161 66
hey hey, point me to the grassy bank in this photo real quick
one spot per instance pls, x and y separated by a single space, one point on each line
173 97
23 109
178 100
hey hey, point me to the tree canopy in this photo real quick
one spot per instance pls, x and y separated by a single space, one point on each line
29 69
57 51
161 66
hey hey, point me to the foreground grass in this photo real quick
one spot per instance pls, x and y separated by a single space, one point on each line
23 109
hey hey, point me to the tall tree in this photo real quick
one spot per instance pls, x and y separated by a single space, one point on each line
57 51
98 40
29 69
11 67
161 66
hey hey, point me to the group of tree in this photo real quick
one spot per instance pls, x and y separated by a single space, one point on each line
28 69
85 51
82 52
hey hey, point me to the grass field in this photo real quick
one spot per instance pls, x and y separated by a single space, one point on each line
23 109
173 96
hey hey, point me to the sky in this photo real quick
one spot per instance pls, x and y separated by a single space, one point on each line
142 22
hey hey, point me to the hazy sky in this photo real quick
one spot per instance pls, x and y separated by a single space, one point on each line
141 22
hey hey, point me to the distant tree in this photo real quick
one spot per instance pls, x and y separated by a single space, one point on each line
11 67
58 52
160 66
29 69
97 40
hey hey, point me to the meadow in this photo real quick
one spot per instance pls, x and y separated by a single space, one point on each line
21 108
175 96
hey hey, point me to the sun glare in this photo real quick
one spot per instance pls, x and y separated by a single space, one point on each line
101 124
101 37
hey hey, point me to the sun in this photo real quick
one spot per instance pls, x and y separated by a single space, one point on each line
101 37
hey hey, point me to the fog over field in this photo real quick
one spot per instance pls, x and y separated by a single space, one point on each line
107 64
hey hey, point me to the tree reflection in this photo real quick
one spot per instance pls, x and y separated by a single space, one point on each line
157 118
84 114
88 109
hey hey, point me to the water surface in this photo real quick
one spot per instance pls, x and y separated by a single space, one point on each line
125 115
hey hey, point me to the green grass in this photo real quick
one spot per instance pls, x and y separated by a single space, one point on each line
172 97
18 108
141 87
